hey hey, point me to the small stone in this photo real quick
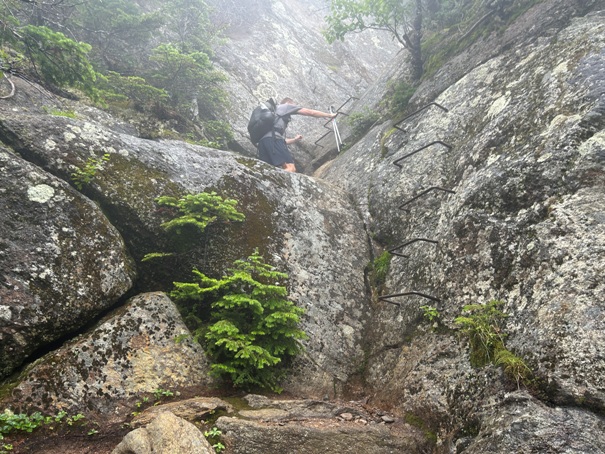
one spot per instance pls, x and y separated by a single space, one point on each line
347 416
387 419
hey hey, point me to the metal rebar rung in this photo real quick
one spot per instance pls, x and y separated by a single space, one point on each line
417 112
344 103
426 191
397 161
322 138
407 243
338 112
386 298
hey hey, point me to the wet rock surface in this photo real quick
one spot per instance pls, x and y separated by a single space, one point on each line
298 426
505 202
512 208
322 245
61 262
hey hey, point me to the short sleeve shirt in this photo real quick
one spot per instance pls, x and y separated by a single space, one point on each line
282 110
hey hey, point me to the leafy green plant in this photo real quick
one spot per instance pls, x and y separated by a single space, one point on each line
186 76
71 420
218 133
214 432
159 393
84 175
378 270
140 403
482 324
213 436
12 422
200 210
58 60
130 90
360 122
62 113
430 313
513 366
195 212
403 20
253 327
399 93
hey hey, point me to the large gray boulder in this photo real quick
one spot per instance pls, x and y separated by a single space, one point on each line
523 224
61 262
138 349
521 424
304 227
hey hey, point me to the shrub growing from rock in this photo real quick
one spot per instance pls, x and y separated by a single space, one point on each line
253 328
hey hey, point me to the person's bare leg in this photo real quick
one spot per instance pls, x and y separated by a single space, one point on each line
289 167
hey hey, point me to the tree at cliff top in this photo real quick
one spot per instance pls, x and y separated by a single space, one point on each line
436 28
400 18
168 44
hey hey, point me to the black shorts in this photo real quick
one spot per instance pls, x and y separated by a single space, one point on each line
274 151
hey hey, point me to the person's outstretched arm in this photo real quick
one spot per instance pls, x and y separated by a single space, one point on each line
315 113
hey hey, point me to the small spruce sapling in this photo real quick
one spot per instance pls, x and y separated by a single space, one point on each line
84 175
253 326
196 212
200 210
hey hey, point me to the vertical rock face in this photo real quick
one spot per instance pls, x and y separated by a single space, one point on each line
61 261
516 208
276 49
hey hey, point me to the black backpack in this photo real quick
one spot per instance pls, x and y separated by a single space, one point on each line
262 120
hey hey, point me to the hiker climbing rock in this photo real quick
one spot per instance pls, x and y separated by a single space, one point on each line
273 145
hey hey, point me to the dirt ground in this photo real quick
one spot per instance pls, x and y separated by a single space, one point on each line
100 434
95 434
73 442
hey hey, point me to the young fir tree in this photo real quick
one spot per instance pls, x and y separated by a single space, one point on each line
253 328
